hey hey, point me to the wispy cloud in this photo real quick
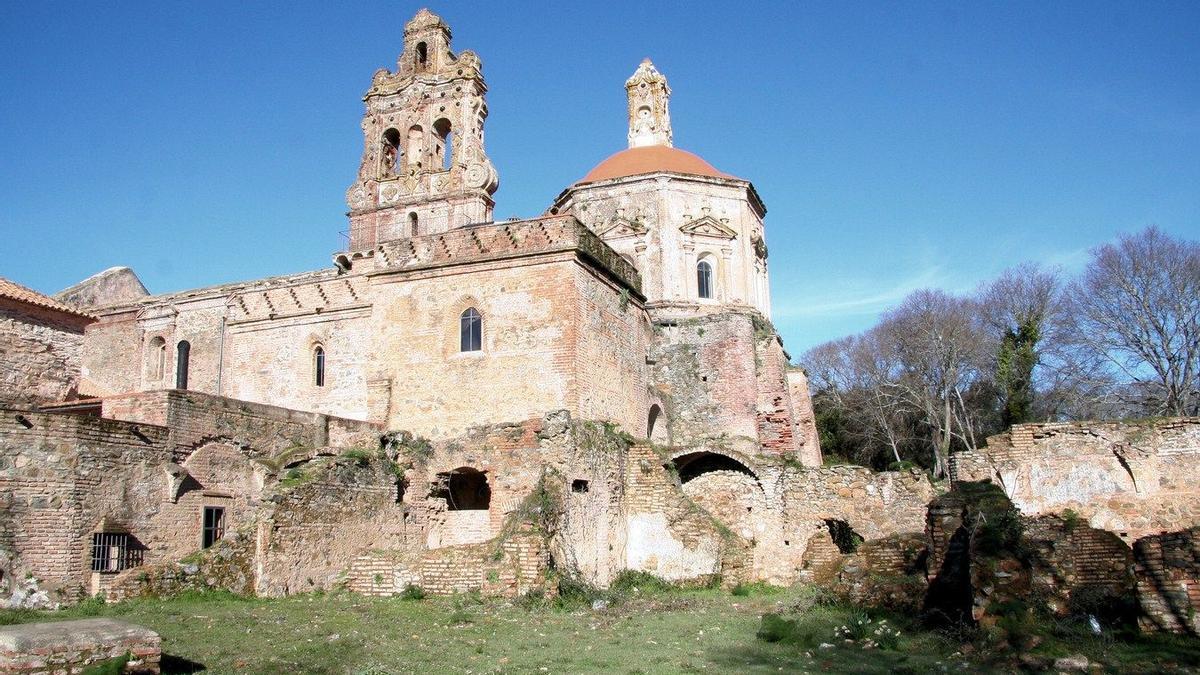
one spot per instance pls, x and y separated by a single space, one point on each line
863 302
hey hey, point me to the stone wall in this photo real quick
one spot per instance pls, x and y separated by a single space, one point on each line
194 418
65 477
1168 581
1133 479
80 646
40 354
721 378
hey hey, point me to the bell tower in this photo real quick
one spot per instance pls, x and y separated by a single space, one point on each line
423 166
649 107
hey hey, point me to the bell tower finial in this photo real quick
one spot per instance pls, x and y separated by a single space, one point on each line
649 107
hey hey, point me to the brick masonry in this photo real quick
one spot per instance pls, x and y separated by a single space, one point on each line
1134 479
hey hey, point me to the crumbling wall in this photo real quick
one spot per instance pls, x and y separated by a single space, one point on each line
323 515
1133 479
40 354
60 475
1168 581
194 418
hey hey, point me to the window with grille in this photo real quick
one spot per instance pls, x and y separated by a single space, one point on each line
114 552
470 331
214 525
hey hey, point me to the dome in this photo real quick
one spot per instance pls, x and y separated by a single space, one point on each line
652 159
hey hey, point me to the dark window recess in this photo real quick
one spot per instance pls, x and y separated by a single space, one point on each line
183 353
470 331
113 552
319 367
579 485
214 525
464 489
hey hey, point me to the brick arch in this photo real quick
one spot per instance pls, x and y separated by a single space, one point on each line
225 466
686 456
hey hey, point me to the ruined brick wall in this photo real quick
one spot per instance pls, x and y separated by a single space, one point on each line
194 418
612 334
113 355
874 505
63 476
705 374
323 517
809 441
1167 568
1133 479
668 534
40 354
59 475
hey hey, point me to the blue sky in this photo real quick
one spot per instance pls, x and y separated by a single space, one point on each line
897 145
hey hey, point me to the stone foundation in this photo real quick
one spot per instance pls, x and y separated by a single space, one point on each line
69 647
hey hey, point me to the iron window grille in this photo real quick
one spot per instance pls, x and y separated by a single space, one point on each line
114 552
214 525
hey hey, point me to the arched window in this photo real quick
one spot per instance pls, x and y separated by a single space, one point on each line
412 224
319 366
158 358
183 352
470 331
704 279
445 143
655 429
422 54
390 161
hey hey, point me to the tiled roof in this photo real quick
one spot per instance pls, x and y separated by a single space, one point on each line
652 159
15 291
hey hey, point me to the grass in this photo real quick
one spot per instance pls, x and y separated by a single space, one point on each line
658 629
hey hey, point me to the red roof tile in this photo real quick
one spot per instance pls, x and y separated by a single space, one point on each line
15 291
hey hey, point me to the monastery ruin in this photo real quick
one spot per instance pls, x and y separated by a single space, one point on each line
460 403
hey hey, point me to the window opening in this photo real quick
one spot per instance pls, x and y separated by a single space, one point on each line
319 366
214 525
390 162
843 536
704 280
114 552
464 489
445 143
183 353
470 331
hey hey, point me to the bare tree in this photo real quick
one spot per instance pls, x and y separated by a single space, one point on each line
853 375
1136 308
939 344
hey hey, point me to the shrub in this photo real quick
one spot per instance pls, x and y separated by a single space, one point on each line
775 628
756 588
640 582
412 592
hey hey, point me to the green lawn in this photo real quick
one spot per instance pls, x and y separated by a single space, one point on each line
660 632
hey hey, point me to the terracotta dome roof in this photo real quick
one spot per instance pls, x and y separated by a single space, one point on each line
652 159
